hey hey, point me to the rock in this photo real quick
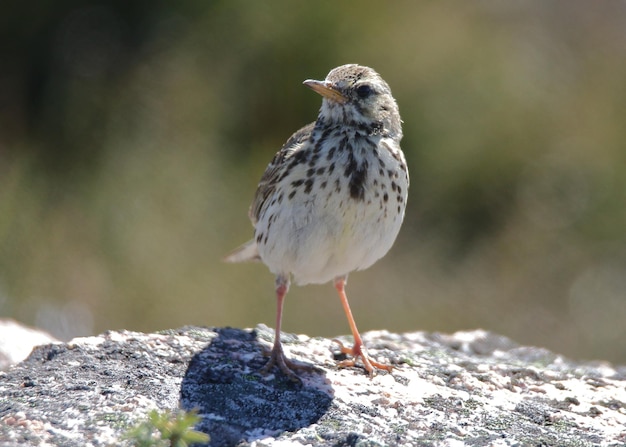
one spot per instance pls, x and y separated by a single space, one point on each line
17 341
465 389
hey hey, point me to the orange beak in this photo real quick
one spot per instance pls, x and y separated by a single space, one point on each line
327 90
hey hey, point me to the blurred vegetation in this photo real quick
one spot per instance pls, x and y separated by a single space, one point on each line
167 429
133 134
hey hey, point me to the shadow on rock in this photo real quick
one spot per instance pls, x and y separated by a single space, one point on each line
237 403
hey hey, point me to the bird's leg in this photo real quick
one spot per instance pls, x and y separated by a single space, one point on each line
277 356
358 350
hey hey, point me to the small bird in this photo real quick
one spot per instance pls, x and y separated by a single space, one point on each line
332 200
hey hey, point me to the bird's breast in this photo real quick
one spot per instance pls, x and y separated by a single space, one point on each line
342 211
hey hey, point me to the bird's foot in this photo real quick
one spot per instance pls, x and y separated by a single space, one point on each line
287 367
358 351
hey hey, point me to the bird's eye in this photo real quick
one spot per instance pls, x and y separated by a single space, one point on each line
364 91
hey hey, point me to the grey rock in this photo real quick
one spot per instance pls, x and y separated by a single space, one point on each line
465 389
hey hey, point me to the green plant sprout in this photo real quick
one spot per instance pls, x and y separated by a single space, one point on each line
167 429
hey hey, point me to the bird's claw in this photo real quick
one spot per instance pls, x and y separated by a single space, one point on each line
287 367
359 351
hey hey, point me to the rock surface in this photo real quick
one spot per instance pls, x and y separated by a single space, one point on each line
466 389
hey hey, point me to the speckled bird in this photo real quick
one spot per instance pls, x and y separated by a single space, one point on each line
332 200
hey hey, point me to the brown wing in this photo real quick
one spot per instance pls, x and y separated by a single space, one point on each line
276 168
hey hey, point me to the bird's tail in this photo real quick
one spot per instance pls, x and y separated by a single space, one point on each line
247 252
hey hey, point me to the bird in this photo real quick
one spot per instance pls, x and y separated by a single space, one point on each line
332 199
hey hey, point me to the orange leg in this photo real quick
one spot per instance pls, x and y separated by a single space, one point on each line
277 356
358 350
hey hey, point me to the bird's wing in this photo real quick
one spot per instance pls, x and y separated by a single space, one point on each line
275 170
267 185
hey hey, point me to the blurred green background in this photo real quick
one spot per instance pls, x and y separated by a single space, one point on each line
133 134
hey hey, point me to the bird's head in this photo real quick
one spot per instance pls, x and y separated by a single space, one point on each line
355 95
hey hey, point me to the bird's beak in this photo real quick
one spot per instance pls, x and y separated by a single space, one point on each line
327 90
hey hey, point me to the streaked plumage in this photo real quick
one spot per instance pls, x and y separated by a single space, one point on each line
332 200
